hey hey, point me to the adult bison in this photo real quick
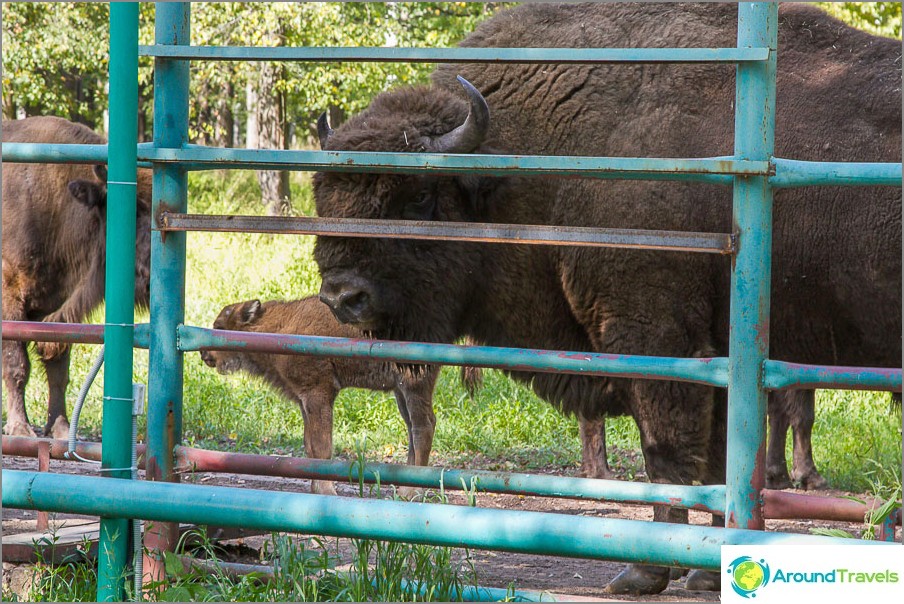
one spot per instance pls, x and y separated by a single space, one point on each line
836 289
54 256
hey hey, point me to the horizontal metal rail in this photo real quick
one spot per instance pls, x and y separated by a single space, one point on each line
716 243
710 371
795 173
785 173
780 375
457 54
708 498
69 333
433 524
777 504
195 157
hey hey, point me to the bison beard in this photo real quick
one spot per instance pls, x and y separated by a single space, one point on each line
54 257
836 291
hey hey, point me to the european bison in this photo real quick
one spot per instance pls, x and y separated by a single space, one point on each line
54 257
836 291
314 382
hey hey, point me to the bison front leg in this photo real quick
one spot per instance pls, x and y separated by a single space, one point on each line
317 411
802 414
57 370
16 369
593 448
675 420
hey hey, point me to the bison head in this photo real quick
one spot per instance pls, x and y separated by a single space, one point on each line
241 316
397 288
93 195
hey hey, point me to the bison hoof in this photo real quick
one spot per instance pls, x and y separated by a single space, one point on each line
704 580
323 487
59 429
639 580
18 429
778 479
676 573
811 481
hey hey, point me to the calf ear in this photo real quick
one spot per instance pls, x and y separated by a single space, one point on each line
251 311
100 171
89 193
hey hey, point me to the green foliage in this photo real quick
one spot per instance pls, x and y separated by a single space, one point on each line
881 18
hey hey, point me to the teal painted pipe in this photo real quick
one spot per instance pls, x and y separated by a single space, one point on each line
780 375
434 524
794 173
710 498
50 153
120 285
459 55
703 371
170 191
751 272
712 169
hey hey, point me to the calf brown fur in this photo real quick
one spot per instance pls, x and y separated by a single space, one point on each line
313 382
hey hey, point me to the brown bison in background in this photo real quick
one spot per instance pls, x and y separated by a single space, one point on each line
836 291
54 257
314 382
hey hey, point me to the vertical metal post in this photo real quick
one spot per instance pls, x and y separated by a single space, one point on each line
119 287
167 274
751 271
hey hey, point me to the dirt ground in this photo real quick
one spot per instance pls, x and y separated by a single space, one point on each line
583 578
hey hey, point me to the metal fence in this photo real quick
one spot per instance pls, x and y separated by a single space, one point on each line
753 173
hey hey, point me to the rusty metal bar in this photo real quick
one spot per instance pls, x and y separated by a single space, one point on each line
717 243
779 505
70 333
42 523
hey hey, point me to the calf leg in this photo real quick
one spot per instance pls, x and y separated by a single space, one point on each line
776 467
593 448
16 369
414 398
57 370
802 412
317 411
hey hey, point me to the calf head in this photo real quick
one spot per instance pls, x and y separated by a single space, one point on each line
241 316
396 288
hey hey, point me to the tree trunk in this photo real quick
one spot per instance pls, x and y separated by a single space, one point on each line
272 133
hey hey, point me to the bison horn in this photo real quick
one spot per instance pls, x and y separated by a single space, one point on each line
323 129
471 133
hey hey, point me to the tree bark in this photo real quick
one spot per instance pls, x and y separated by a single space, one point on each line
272 134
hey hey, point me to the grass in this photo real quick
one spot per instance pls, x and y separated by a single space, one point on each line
857 439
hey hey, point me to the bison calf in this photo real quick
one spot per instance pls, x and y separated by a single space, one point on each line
313 382
54 257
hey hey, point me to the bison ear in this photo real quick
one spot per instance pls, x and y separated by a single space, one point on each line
88 193
251 311
100 171
477 194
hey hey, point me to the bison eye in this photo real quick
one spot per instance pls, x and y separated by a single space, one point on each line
422 209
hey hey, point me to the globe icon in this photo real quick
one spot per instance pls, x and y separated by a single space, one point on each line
748 575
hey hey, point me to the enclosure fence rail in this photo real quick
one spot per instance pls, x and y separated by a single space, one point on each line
752 171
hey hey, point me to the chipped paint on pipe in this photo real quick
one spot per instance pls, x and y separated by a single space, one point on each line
711 371
780 375
795 173
432 524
